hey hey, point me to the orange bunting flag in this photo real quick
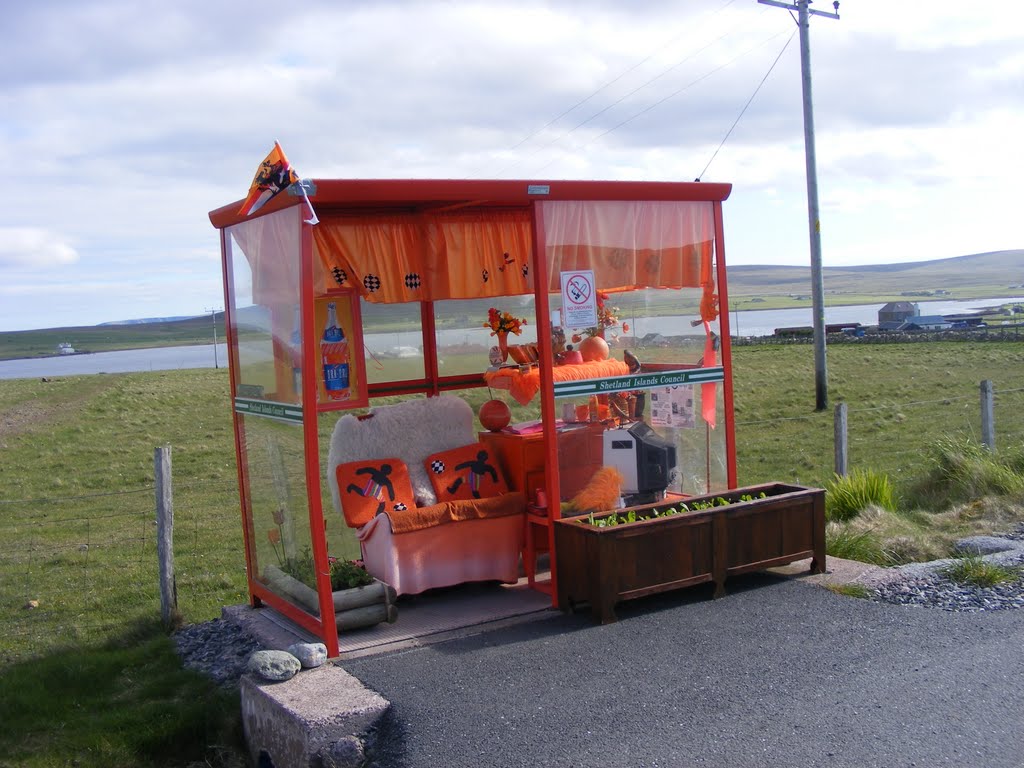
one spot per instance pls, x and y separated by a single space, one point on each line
274 175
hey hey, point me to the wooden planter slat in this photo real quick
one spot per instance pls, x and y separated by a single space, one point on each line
602 566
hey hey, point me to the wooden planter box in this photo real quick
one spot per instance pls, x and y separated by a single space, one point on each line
602 566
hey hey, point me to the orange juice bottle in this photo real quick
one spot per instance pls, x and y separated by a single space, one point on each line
334 356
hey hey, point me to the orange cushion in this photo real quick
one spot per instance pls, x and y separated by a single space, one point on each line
372 486
469 472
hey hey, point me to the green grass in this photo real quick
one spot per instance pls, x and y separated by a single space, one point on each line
843 542
846 497
902 398
849 590
77 532
979 572
126 702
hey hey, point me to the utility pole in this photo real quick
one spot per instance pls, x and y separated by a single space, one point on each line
804 13
213 316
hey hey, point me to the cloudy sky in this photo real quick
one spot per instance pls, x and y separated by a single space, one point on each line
126 121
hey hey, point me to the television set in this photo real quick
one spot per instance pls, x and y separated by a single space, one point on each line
645 459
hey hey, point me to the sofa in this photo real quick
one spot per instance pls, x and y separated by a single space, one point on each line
429 507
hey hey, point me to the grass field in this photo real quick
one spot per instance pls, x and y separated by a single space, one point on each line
77 522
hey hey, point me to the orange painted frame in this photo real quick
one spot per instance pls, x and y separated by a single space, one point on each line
355 195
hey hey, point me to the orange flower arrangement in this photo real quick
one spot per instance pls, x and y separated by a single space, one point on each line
503 322
607 317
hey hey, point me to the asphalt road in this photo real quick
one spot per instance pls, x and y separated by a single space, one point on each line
778 673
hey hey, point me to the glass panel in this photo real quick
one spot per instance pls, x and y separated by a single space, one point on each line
392 341
277 492
265 258
463 341
654 409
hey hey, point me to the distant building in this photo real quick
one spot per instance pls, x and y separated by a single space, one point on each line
897 312
65 349
927 323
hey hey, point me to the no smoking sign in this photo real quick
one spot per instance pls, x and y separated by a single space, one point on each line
579 299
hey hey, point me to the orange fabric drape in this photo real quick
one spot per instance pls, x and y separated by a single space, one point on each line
426 256
480 254
524 385
382 257
629 244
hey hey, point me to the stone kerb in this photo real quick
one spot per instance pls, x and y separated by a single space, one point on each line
300 722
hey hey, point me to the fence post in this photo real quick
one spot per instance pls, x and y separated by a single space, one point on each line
839 423
165 534
988 424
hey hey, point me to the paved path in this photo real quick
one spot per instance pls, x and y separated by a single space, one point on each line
778 673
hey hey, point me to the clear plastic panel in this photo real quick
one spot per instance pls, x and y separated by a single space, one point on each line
654 410
392 341
464 342
279 507
264 254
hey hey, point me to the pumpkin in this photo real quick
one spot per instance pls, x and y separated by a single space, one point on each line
594 348
495 415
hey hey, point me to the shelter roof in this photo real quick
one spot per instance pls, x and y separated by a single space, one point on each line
437 194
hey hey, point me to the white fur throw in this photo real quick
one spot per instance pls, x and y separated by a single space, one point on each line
411 430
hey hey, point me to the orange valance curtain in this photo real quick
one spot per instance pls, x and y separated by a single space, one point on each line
479 254
427 256
382 256
630 244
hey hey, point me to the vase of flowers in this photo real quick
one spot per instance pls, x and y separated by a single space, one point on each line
607 317
501 325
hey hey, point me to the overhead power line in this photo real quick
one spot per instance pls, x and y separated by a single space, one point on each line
612 82
672 95
742 111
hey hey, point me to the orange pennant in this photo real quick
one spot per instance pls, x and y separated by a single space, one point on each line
274 175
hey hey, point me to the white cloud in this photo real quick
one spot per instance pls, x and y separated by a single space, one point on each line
129 121
34 248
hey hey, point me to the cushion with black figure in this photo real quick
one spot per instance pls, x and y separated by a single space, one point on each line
372 486
469 472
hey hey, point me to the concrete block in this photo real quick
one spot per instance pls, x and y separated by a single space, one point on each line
294 722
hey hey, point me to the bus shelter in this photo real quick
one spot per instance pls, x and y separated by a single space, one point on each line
613 296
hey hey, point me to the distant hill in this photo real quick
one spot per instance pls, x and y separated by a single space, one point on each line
975 276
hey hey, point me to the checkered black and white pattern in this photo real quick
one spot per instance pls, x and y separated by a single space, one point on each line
340 277
437 466
412 281
399 507
371 283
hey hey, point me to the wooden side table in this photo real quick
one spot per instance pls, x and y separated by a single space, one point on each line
522 460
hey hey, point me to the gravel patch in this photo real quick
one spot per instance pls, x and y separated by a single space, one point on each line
218 649
926 585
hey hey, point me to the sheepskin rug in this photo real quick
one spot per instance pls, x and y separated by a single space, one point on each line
410 430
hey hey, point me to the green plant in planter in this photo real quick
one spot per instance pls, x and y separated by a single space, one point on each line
630 516
347 574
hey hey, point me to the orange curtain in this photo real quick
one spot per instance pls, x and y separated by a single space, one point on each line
382 257
630 244
477 254
428 257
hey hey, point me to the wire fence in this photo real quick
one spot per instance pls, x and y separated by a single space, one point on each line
84 567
